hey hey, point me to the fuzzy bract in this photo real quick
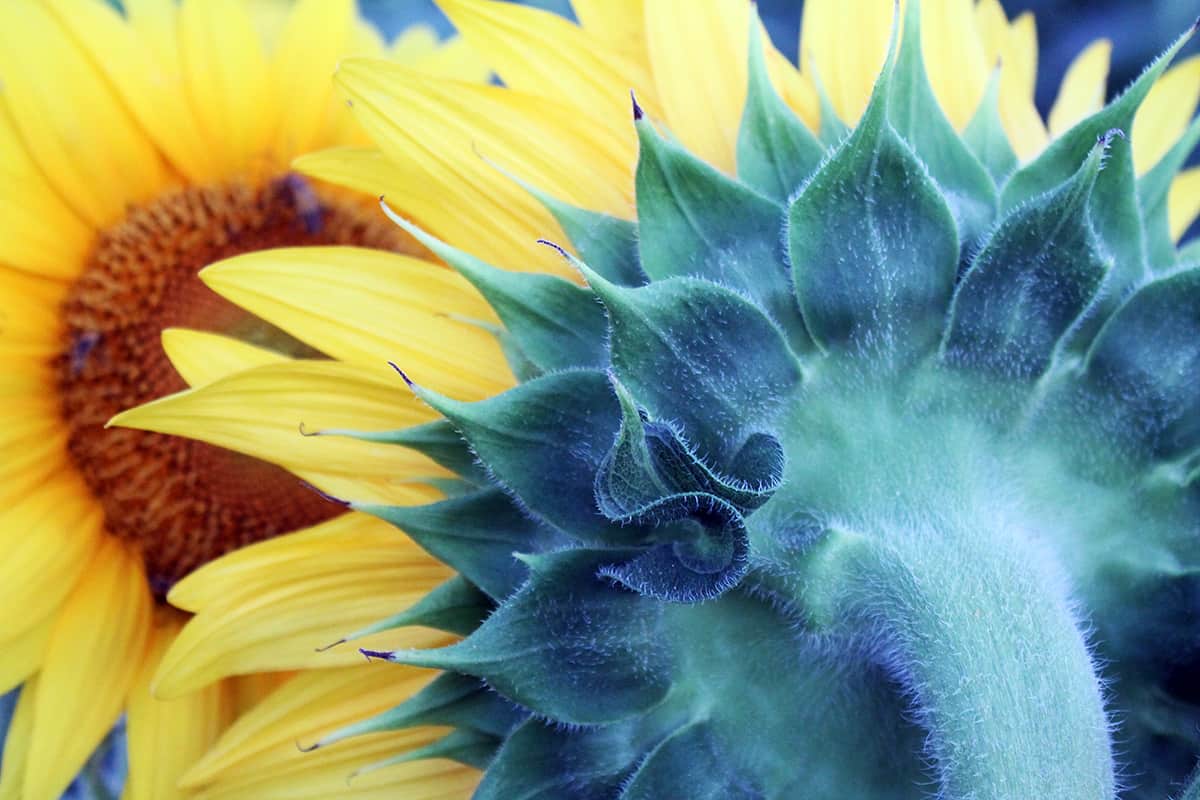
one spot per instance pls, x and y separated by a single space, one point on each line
871 472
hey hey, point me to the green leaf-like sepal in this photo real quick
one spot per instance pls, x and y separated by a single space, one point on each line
1145 364
696 222
543 440
702 356
565 614
873 244
986 138
477 534
1031 281
775 150
1114 203
1154 189
670 771
554 323
917 116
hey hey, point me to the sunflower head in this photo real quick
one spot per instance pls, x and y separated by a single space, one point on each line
869 468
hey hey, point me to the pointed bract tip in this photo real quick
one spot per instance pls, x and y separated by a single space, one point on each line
330 646
1195 25
637 109
382 655
407 379
561 251
304 431
307 749
339 501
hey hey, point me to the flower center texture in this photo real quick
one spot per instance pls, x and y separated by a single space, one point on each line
183 502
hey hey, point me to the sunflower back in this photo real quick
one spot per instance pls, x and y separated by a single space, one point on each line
870 470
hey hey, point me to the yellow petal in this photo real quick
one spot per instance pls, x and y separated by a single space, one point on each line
165 737
454 59
372 307
260 412
619 24
47 536
314 704
313 40
21 656
414 43
257 757
16 744
699 54
992 24
248 691
954 57
101 632
538 52
1183 203
442 135
33 447
1083 88
1165 113
39 232
149 88
201 357
276 618
845 42
1018 75
29 314
80 134
227 77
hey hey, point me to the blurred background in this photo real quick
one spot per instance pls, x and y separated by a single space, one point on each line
1139 29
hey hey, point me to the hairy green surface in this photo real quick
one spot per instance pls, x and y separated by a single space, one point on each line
872 473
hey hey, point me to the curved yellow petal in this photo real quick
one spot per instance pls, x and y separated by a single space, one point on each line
29 312
261 413
447 138
845 42
228 80
293 551
1083 88
1018 75
48 536
1183 202
618 24
273 618
33 448
201 357
1165 113
699 53
309 707
166 737
22 655
371 307
258 757
39 232
95 155
954 57
16 744
101 633
149 88
309 47
539 52
454 59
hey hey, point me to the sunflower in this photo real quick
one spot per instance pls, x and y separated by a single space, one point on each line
135 149
480 173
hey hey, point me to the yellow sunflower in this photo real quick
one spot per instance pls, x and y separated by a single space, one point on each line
135 149
461 159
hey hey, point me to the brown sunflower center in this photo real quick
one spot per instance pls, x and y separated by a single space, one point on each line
184 502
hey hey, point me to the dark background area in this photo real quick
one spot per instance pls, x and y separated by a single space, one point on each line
1138 30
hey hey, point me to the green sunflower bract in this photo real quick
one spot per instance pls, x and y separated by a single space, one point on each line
871 474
